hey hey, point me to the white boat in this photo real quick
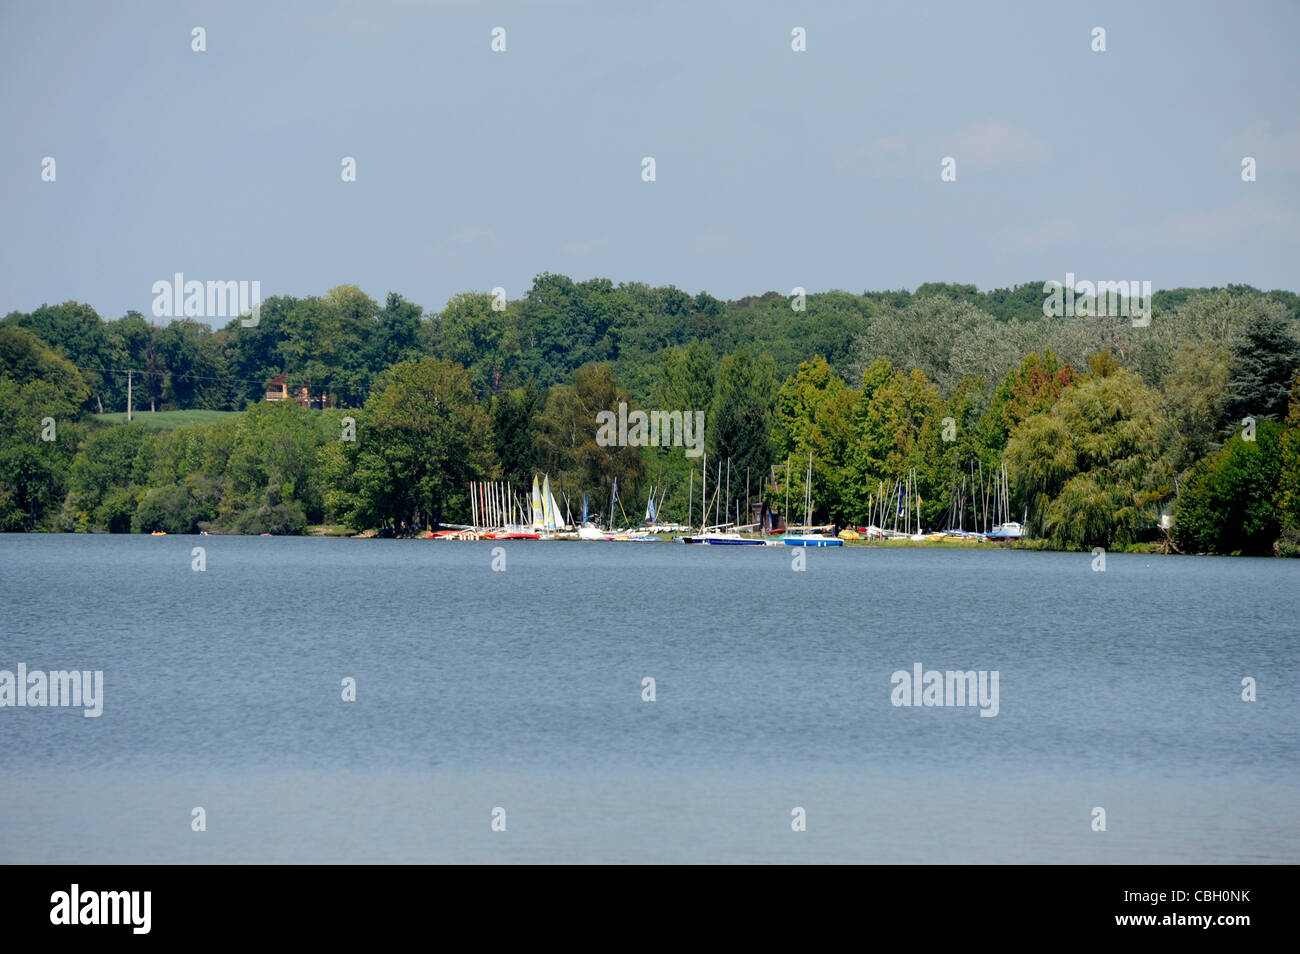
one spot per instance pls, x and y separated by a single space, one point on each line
809 539
1006 531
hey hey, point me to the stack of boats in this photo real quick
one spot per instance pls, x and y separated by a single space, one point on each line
498 513
729 534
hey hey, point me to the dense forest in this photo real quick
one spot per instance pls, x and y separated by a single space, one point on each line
1183 434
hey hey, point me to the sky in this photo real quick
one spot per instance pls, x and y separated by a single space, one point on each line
774 168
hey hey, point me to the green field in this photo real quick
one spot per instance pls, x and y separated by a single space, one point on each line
164 420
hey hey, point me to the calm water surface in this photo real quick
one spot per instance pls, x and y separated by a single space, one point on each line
522 689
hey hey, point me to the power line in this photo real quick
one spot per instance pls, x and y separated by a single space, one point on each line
351 388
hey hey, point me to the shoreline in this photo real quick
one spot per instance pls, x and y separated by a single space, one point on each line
338 533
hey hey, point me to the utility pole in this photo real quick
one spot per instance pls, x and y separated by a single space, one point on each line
128 396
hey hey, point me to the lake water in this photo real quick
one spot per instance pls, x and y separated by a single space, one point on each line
521 689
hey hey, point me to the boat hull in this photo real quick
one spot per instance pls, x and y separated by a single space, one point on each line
812 542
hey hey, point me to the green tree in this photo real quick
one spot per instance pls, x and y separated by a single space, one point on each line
567 439
814 417
168 508
514 430
1030 389
897 426
104 479
396 334
196 374
738 427
470 333
272 480
254 354
1265 359
1226 505
1091 469
1288 481
1191 399
420 440
41 394
76 331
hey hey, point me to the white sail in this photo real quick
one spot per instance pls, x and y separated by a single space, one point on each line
548 504
538 522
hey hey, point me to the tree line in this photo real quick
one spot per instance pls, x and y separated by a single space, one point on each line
1110 432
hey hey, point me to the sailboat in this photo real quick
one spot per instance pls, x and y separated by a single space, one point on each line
646 532
538 522
1007 530
717 535
548 519
807 539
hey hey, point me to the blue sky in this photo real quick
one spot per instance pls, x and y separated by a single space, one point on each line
478 169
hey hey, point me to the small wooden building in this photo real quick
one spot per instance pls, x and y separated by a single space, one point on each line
277 389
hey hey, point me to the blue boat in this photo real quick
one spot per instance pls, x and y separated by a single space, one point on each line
811 540
722 540
808 539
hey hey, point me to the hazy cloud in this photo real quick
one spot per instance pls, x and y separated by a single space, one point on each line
994 142
581 248
712 241
1222 228
1039 235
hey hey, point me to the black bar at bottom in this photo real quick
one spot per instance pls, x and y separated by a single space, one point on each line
1223 904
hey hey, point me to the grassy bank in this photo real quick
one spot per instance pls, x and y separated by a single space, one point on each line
163 420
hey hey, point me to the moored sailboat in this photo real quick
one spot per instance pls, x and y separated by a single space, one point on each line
1007 530
809 539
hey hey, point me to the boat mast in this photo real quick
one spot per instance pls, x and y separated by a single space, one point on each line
748 509
788 461
1002 494
807 493
728 509
918 502
717 498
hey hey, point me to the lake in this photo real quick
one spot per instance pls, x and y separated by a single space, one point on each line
521 689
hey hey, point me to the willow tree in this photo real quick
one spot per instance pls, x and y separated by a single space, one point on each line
1092 469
